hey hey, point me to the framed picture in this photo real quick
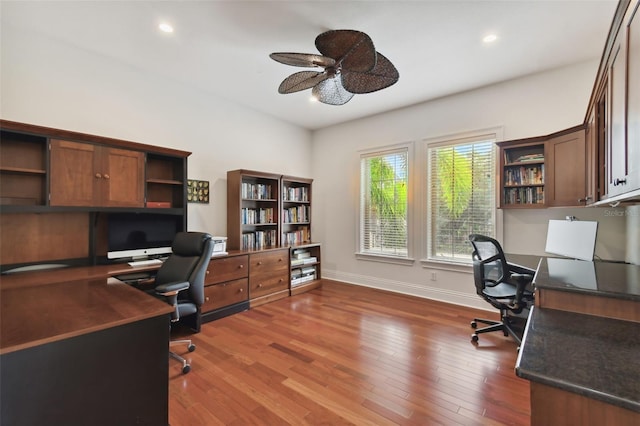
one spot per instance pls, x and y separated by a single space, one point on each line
197 191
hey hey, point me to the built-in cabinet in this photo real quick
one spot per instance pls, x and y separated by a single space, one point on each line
58 186
599 161
613 115
545 171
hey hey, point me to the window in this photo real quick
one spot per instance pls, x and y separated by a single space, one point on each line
384 188
461 195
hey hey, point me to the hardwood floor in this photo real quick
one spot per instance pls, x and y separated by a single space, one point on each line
345 354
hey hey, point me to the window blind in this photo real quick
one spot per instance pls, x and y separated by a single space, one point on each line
461 196
383 203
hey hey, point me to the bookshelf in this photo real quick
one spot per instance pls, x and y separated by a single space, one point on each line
296 210
305 267
253 208
522 177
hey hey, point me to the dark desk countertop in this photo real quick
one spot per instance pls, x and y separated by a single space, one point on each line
592 356
36 314
605 279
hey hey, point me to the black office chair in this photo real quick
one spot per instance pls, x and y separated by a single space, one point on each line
180 281
505 286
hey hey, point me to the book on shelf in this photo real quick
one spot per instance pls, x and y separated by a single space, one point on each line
300 254
290 193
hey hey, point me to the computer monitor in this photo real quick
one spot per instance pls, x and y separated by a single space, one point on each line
141 235
575 239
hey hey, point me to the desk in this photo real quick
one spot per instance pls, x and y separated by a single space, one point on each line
81 351
580 348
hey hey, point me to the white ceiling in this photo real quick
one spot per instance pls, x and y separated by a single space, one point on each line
222 47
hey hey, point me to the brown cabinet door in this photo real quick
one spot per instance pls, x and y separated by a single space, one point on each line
88 175
122 183
617 119
73 181
566 183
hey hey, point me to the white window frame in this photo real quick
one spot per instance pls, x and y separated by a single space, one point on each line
400 260
426 220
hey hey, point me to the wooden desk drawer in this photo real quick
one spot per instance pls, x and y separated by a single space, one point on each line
225 294
271 261
264 284
227 269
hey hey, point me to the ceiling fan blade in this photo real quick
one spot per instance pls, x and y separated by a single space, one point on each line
383 75
302 59
330 91
300 81
352 50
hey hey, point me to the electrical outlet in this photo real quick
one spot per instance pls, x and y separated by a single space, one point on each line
434 277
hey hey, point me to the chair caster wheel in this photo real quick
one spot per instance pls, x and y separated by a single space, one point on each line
186 369
191 347
474 324
474 338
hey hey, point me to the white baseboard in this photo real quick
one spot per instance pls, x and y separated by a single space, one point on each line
419 290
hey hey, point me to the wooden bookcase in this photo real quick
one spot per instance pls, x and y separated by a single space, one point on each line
522 174
253 210
296 210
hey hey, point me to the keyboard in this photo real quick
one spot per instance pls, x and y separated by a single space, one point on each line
145 262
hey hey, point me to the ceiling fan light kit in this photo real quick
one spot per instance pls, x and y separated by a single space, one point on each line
350 65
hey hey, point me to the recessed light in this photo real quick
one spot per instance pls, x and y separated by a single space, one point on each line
165 28
490 38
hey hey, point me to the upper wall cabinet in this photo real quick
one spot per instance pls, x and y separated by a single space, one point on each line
43 168
545 171
613 116
84 174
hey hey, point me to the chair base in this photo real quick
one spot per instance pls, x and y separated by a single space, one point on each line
506 326
190 347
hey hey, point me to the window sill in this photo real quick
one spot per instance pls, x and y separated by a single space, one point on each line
447 265
407 261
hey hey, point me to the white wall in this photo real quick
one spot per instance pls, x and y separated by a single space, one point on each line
532 106
48 83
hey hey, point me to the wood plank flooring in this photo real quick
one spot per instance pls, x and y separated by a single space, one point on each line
345 354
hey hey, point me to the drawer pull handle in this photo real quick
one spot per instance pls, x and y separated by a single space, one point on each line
260 263
241 290
241 266
259 285
207 273
206 298
106 176
98 176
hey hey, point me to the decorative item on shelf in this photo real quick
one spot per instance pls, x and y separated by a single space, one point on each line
197 191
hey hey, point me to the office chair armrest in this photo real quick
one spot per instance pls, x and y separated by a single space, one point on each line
172 288
517 269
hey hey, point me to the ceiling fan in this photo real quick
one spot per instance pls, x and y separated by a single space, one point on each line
351 66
